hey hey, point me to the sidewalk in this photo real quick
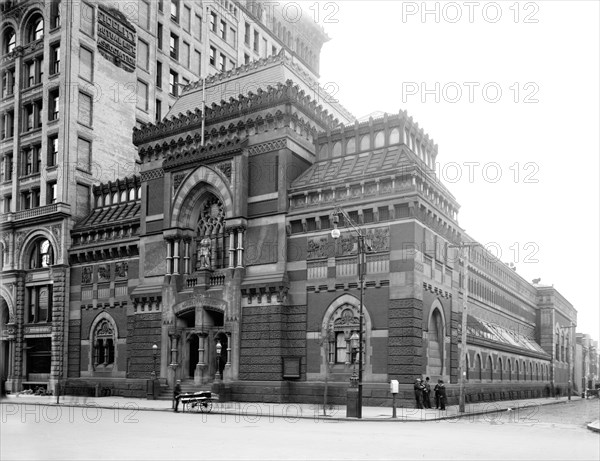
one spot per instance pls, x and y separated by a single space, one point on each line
513 410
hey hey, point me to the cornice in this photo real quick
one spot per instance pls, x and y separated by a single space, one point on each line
280 94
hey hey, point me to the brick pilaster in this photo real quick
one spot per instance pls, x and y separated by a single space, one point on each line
405 340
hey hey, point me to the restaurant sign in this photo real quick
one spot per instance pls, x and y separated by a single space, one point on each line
116 38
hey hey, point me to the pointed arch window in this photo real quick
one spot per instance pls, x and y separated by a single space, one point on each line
211 227
435 344
104 344
343 324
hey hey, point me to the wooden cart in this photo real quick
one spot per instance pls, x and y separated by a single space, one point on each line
198 401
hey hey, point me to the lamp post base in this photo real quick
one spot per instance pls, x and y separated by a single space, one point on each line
352 402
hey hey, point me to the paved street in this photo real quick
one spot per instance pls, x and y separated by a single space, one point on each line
47 432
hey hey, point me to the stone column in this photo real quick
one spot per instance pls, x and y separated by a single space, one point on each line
240 247
200 372
58 274
186 257
18 373
169 258
227 370
176 256
231 234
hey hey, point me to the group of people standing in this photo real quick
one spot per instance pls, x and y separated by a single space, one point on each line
423 394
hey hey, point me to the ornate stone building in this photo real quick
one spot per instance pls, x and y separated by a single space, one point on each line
223 242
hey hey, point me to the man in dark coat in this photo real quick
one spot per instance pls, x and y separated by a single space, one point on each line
419 392
441 390
427 394
176 393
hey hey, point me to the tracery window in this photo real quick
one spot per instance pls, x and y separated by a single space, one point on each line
104 344
211 241
343 324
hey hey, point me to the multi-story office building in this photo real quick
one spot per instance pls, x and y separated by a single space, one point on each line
77 76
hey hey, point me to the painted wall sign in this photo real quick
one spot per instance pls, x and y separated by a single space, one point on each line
116 38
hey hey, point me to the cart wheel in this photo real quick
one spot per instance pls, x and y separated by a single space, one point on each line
205 406
195 406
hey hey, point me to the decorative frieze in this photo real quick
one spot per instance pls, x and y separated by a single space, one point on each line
270 146
318 247
146 176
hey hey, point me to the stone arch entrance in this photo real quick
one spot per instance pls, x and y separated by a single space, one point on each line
199 322
435 341
4 341
340 322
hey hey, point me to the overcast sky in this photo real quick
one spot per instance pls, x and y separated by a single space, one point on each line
509 92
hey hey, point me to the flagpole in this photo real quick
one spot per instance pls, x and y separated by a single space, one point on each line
203 112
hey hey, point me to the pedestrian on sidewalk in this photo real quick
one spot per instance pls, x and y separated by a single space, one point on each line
176 394
436 394
427 394
441 390
419 393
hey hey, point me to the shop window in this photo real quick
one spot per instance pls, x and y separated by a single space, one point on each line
39 302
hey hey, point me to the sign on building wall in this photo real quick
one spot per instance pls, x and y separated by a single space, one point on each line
116 38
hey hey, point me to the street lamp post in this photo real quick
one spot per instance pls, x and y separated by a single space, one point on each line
154 354
465 249
335 233
219 348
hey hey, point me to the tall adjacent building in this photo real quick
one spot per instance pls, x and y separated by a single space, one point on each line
77 77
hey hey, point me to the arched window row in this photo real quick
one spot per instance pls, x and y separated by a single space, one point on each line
507 369
115 197
365 143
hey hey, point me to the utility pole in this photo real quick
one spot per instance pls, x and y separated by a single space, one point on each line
362 267
465 248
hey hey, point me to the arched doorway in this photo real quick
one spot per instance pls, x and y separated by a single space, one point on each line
435 344
4 344
194 354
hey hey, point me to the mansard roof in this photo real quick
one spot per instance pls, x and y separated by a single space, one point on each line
356 166
281 93
116 203
110 215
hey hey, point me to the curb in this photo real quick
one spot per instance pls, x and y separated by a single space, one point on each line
594 427
401 419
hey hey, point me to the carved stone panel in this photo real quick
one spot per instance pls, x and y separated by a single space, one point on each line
86 274
103 272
